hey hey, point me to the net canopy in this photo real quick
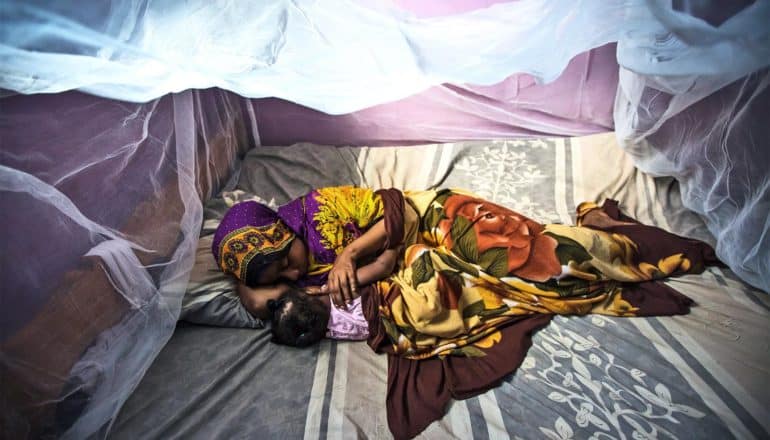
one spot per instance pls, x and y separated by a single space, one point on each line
340 56
118 121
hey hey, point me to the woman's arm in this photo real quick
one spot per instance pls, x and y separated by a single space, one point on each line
370 242
255 299
374 271
379 268
342 279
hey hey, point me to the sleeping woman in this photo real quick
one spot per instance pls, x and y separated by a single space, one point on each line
469 268
330 241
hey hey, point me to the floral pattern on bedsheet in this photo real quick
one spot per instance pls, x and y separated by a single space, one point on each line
606 394
504 171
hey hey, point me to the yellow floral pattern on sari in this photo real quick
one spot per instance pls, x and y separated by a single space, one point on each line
341 206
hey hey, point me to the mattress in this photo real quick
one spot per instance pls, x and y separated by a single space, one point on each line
702 375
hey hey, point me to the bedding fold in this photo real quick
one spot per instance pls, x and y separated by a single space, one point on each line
459 315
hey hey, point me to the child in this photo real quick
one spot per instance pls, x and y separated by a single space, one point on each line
300 320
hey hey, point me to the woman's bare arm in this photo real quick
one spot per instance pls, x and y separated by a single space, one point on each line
378 269
255 299
370 242
342 279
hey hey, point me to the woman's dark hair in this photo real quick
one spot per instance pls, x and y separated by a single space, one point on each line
253 271
258 265
297 319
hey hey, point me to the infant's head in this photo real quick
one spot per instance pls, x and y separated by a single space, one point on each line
297 319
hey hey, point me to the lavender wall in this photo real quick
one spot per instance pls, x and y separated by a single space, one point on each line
579 102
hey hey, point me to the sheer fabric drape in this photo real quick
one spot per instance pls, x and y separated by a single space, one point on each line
340 56
101 207
101 195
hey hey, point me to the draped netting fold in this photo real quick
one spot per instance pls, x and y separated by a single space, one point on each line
340 56
101 212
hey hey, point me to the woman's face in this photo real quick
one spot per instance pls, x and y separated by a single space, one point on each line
290 268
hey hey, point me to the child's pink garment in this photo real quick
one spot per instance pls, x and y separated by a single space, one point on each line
348 324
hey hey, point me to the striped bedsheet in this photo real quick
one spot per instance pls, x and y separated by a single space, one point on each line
703 375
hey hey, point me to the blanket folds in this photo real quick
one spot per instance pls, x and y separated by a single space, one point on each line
480 279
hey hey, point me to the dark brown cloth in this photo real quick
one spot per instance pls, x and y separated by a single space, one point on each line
654 298
654 243
393 201
419 390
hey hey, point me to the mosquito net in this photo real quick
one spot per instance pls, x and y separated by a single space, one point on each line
118 121
101 207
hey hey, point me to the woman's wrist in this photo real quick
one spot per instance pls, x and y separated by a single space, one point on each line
350 252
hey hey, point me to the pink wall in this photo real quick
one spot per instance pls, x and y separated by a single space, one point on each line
579 102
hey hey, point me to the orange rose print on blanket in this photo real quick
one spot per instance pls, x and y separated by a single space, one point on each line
531 255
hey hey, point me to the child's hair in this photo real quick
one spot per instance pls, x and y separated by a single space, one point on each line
298 319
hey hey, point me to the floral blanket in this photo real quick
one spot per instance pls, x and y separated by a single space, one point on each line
481 278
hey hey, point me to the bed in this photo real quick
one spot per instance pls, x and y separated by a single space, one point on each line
702 375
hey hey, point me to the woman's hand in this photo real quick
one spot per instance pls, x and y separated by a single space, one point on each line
315 291
342 282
